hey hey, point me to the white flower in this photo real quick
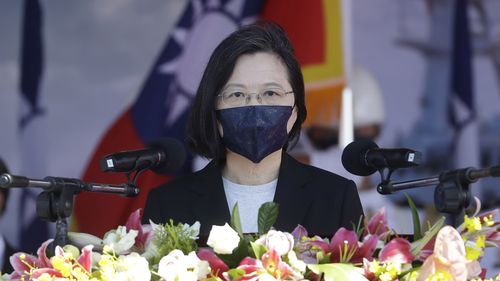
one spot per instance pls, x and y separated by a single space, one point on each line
81 240
150 251
191 231
266 277
223 239
281 242
295 263
177 267
120 240
131 267
96 257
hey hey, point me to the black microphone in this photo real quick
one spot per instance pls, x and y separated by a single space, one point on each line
364 158
164 156
58 183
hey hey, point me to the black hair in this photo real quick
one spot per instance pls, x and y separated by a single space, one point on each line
5 191
264 36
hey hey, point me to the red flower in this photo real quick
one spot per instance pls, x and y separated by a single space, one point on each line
217 266
397 250
377 225
144 232
344 247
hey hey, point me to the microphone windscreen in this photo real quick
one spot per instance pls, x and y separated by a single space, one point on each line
175 154
353 157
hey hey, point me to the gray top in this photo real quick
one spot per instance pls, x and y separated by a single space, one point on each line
249 198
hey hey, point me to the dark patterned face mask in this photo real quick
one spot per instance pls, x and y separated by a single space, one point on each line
255 131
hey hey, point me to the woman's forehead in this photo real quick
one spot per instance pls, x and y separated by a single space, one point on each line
259 69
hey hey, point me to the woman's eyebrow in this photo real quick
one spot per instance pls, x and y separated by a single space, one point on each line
273 84
238 85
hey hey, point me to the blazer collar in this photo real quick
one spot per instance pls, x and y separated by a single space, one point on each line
291 195
211 204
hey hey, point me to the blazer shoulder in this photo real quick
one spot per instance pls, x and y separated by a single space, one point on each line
318 174
186 182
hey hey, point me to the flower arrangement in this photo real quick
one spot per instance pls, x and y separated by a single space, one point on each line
170 252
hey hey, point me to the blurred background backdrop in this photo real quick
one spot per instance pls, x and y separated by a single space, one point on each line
102 61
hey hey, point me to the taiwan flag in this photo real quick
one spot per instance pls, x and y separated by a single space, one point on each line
317 31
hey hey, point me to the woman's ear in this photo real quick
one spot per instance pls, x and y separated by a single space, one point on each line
219 128
291 120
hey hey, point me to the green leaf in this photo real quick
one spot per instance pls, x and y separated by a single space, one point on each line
236 221
236 273
417 232
232 260
211 279
338 271
258 250
268 213
418 245
323 257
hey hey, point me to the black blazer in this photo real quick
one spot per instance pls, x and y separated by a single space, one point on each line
320 201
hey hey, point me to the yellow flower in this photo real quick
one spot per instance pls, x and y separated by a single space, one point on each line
480 241
386 271
472 224
375 267
107 250
45 277
488 221
386 276
412 276
393 268
105 260
440 276
62 265
472 254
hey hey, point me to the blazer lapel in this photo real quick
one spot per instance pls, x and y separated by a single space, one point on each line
210 204
291 194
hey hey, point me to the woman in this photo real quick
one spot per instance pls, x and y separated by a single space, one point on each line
248 108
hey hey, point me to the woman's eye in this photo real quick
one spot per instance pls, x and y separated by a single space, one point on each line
237 94
271 93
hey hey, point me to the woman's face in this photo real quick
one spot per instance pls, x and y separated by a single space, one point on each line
260 73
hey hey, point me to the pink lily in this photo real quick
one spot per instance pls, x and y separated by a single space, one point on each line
449 256
36 266
22 266
85 258
144 232
343 246
368 274
217 266
397 250
270 264
427 250
377 225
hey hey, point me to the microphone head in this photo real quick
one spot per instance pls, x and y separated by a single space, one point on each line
175 154
354 157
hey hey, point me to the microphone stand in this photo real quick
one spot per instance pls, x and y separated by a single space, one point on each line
451 194
55 203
